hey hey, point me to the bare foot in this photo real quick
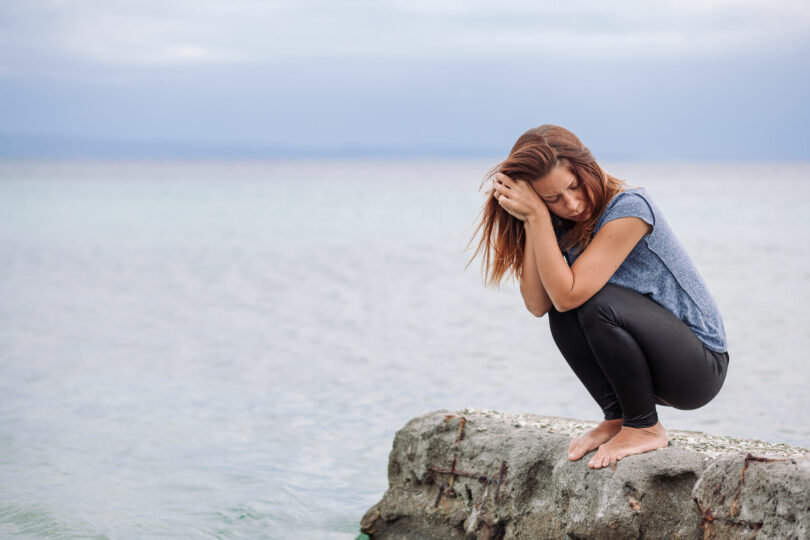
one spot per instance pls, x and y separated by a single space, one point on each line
591 440
627 442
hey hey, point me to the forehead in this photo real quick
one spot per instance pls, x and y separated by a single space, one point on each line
557 181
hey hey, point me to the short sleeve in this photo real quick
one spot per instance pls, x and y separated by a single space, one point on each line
627 204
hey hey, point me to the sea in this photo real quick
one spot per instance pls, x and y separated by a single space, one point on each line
225 349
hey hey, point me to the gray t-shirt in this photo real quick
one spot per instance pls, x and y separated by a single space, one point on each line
660 268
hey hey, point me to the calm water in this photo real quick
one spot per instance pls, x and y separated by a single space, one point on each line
225 350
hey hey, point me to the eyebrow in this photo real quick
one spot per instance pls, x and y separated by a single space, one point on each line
574 181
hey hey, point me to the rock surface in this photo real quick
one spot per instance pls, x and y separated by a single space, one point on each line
477 474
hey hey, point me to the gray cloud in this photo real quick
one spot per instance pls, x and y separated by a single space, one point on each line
208 32
660 79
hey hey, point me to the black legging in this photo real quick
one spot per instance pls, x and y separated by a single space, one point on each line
631 353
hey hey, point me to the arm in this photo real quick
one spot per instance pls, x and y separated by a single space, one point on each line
569 287
531 286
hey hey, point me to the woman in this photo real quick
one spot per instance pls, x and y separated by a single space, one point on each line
627 308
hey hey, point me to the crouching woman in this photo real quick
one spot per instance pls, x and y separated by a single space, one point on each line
627 308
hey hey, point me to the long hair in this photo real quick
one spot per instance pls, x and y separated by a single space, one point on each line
535 154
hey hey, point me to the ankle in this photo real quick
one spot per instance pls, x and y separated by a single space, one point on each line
656 429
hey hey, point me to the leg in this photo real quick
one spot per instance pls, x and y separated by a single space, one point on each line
568 335
570 339
649 356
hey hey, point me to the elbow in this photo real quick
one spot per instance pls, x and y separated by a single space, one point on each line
537 310
567 304
561 308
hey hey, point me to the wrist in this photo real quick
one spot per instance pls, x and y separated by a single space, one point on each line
537 215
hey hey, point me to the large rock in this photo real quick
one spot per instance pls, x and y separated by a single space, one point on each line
475 474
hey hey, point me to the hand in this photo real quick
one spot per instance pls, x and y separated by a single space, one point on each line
513 213
518 197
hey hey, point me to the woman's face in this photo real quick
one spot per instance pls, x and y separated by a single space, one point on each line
563 193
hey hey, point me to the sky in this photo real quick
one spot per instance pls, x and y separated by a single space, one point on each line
687 79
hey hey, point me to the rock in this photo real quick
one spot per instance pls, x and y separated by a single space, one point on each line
747 496
477 474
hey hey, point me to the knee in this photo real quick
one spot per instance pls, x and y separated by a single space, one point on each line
600 307
555 316
560 321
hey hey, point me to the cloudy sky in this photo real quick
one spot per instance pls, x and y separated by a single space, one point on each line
707 79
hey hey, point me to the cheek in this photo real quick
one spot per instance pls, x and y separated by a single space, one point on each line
582 197
557 209
586 205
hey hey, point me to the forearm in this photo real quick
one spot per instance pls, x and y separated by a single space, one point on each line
531 286
567 287
556 277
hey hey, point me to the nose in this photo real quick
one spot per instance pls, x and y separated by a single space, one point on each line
572 204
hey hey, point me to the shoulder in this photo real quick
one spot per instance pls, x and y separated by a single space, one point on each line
632 202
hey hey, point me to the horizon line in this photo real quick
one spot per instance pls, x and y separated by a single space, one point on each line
36 147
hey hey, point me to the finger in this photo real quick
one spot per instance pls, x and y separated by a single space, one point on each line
502 179
509 205
513 213
505 180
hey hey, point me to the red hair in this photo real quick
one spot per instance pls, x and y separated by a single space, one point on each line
535 154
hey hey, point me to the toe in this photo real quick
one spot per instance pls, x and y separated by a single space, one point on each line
577 449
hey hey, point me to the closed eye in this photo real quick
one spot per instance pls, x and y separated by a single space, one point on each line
572 187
